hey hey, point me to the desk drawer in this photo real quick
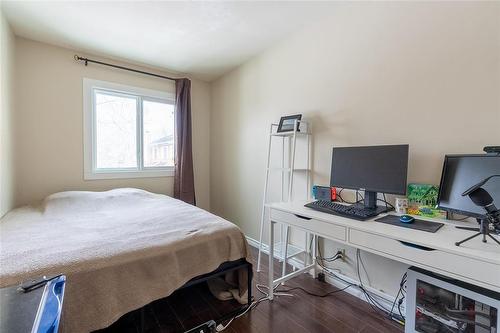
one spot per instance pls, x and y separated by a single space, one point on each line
429 258
328 230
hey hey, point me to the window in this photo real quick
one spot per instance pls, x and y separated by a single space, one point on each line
128 131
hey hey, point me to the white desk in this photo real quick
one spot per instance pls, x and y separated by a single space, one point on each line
473 262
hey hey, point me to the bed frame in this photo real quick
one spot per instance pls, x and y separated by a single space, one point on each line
224 268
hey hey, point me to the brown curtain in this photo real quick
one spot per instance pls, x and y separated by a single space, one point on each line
184 175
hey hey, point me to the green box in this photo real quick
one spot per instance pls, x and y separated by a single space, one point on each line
422 200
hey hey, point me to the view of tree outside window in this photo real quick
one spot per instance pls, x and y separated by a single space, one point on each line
117 145
116 134
158 129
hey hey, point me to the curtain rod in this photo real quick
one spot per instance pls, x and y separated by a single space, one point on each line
87 60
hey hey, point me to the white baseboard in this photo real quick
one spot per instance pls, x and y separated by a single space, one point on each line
385 300
382 298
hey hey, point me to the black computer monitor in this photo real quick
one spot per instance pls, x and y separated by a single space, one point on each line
372 169
463 171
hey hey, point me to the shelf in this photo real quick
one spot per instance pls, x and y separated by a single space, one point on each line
292 251
290 133
288 169
288 153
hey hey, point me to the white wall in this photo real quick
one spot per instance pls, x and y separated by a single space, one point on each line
6 110
423 73
48 138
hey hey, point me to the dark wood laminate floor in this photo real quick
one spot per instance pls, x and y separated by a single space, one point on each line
303 313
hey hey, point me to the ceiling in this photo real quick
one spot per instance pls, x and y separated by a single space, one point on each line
204 39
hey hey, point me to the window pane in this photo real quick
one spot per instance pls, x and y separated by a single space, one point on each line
158 119
116 131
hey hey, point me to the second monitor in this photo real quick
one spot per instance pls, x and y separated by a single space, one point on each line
371 169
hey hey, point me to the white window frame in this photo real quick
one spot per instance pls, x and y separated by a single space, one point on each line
90 172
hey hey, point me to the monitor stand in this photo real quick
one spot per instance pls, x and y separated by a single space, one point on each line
370 202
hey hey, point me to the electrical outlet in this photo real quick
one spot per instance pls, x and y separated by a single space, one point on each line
342 254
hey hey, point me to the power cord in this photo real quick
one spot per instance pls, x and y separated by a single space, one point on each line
374 304
261 288
372 301
401 292
281 292
387 203
314 294
339 194
221 327
360 198
337 256
319 256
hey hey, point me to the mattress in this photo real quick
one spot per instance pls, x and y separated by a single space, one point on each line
119 249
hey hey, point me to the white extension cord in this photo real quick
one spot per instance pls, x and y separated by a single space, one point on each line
261 288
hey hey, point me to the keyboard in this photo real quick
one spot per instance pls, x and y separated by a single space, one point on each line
349 211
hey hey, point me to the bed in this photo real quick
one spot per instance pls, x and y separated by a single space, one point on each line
119 249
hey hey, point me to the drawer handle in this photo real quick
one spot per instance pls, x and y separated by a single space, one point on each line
415 246
303 217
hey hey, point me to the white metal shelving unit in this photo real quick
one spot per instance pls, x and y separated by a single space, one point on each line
284 250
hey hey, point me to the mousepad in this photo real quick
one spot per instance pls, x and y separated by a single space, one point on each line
417 224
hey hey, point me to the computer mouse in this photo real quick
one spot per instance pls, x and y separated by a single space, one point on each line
406 219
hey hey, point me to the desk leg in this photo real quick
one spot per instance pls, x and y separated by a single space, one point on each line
271 259
314 249
306 249
287 237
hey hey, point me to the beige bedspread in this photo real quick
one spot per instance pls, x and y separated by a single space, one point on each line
119 249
